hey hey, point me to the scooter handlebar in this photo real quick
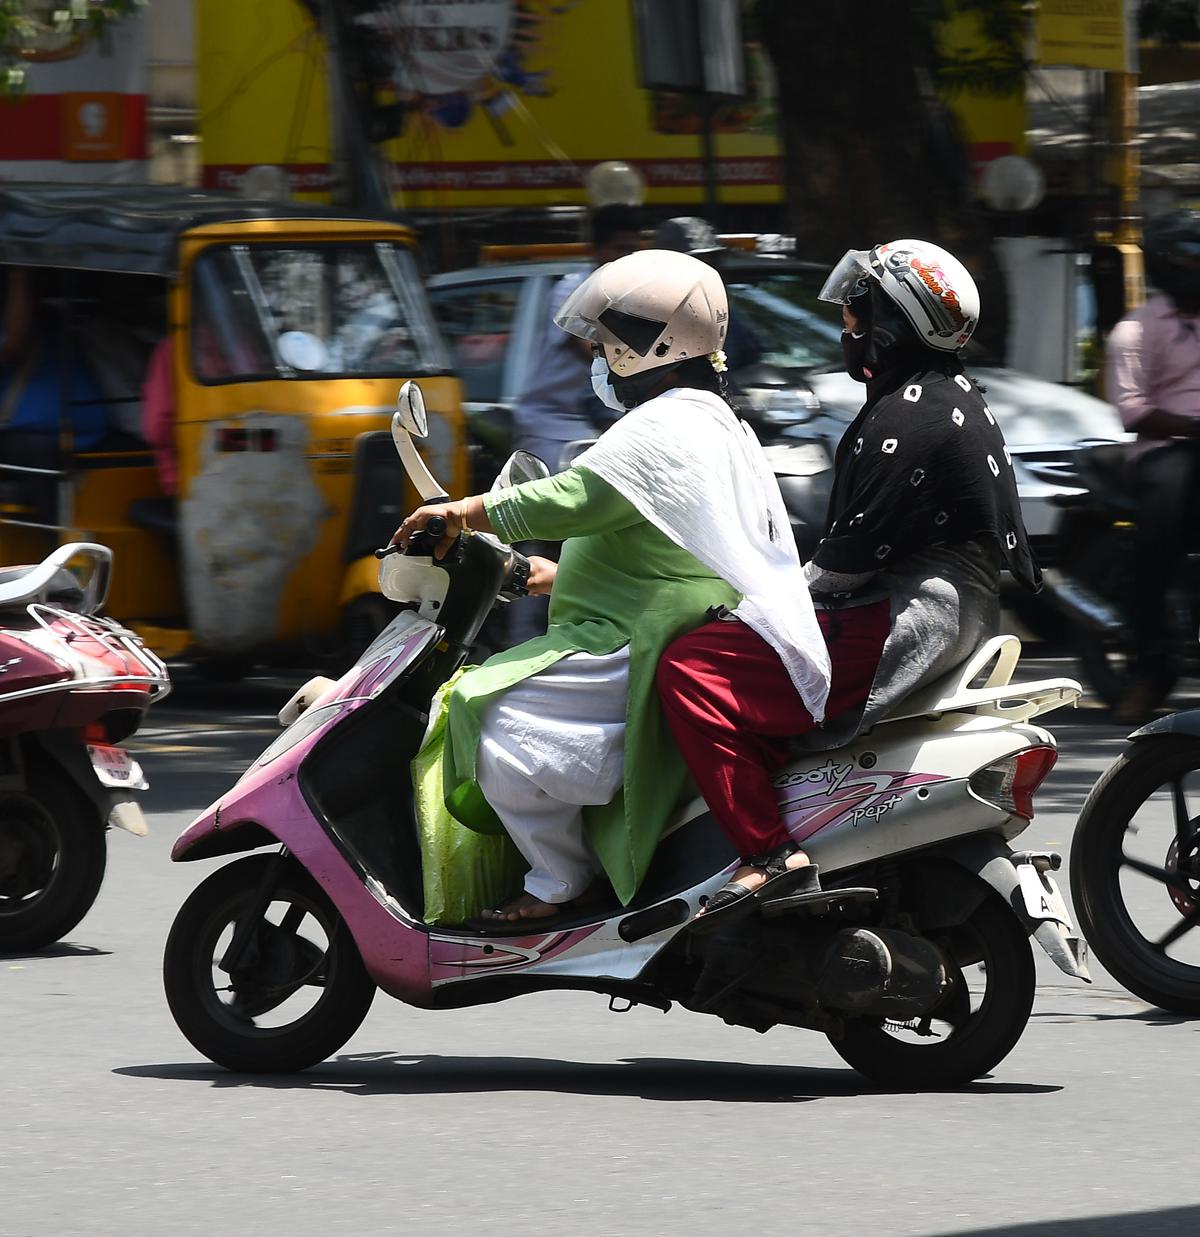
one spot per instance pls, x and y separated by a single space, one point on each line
422 541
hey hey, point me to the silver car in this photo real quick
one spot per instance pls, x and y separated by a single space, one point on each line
785 360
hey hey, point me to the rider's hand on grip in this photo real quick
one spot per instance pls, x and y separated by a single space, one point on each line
429 530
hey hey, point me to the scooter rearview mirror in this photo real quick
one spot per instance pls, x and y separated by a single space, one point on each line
520 467
410 420
410 416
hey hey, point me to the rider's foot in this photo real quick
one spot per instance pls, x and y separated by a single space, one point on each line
524 907
751 877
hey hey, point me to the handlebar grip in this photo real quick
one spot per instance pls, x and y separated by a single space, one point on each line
435 530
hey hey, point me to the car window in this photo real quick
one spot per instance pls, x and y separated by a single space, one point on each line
266 311
779 321
477 321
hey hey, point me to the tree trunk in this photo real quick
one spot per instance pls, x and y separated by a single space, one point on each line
870 153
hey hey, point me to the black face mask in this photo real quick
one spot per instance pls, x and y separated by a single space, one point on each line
854 354
857 350
885 334
638 388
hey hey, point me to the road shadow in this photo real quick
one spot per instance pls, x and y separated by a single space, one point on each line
1148 1017
59 950
1167 1222
638 1078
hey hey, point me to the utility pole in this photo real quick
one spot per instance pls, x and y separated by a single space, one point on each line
1124 174
359 175
707 111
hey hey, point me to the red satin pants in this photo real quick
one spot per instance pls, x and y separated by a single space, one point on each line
732 708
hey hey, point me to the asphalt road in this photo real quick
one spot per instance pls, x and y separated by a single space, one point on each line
550 1114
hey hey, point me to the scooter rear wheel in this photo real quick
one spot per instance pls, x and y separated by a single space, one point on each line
53 853
263 1017
977 1030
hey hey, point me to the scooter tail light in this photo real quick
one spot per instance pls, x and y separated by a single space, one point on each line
1009 784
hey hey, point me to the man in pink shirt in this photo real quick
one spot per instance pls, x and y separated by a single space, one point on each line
1153 377
158 414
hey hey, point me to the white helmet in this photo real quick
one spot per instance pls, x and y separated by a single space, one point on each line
649 309
930 286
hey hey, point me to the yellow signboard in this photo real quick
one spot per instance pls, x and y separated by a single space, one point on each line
1087 34
505 104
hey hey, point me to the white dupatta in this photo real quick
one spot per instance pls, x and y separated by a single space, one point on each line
698 474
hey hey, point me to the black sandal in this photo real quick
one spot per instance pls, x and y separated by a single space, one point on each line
733 902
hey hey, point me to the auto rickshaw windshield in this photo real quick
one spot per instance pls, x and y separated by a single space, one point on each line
268 311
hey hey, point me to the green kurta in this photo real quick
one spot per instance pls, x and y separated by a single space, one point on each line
620 582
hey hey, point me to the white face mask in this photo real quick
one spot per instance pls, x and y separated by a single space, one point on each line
602 387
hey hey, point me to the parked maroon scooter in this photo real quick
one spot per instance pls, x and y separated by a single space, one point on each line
72 687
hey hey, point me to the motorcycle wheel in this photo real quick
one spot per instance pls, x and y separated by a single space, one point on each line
52 858
1107 659
970 1032
300 990
1136 957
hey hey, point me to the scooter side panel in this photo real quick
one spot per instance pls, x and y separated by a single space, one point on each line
898 789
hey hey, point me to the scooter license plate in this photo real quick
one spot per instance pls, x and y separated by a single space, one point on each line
1042 897
114 766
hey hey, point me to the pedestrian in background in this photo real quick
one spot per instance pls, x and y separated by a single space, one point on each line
558 406
1153 377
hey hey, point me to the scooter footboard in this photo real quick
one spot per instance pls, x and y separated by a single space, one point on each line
1024 882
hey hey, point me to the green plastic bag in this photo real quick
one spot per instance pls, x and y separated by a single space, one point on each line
464 872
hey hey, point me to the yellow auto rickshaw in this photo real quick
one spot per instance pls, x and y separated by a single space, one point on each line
223 373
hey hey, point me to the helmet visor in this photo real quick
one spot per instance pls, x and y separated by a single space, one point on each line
580 312
848 277
589 314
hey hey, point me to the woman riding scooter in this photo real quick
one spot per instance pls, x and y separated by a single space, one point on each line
923 514
560 741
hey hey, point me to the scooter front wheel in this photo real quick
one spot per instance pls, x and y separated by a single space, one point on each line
978 1022
1135 871
295 994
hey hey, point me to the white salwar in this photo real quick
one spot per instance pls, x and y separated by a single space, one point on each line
549 747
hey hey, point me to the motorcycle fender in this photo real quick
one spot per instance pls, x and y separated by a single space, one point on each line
127 814
1187 722
991 860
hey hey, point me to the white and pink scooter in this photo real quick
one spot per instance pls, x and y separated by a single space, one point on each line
915 962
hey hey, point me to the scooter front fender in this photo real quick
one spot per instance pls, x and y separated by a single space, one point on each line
394 949
991 860
1185 723
115 804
